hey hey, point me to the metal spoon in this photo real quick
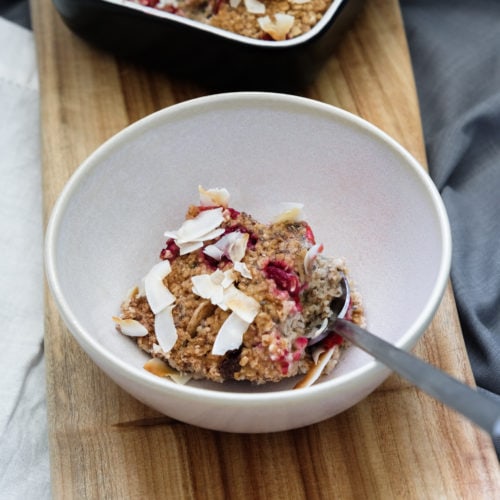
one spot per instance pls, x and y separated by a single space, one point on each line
477 407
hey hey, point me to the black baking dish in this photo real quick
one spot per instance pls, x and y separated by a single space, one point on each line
211 56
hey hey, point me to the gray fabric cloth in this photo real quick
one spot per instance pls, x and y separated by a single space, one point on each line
17 11
455 51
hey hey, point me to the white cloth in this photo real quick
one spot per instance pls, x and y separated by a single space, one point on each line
24 461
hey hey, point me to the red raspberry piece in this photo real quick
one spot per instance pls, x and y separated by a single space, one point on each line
284 277
171 251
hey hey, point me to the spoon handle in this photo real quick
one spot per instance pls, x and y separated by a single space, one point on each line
479 408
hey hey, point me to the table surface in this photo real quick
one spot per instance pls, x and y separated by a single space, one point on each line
397 443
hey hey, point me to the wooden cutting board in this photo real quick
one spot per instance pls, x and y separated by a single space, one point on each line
397 443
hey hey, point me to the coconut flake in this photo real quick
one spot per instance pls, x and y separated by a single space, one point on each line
230 335
170 234
311 256
213 286
218 287
166 3
204 223
242 268
159 368
254 7
131 327
197 228
228 278
316 370
278 27
166 333
299 2
185 248
181 378
215 197
207 287
244 306
214 252
132 293
157 294
193 232
211 235
237 246
291 212
234 3
232 245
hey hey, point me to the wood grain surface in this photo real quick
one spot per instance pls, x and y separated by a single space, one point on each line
397 443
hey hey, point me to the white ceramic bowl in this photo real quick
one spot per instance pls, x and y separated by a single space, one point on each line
365 197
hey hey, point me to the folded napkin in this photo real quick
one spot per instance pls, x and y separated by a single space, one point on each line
24 461
455 50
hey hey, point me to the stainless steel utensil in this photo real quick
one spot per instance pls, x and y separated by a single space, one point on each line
479 408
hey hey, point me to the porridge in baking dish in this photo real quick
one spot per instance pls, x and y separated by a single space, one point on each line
232 298
261 19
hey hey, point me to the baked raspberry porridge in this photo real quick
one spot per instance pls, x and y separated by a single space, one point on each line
232 298
268 19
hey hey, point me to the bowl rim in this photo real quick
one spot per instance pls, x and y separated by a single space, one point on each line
326 18
371 369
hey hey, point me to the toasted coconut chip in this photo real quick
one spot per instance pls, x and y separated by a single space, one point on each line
203 224
214 252
208 287
166 3
244 306
159 270
161 369
158 367
170 234
234 3
165 331
232 245
202 311
298 2
317 353
131 327
291 212
157 294
311 256
211 235
254 7
227 278
316 370
237 246
230 335
181 378
215 197
218 287
189 247
212 286
242 268
278 27
132 293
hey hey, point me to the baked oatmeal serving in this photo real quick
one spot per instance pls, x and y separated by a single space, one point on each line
261 19
232 298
